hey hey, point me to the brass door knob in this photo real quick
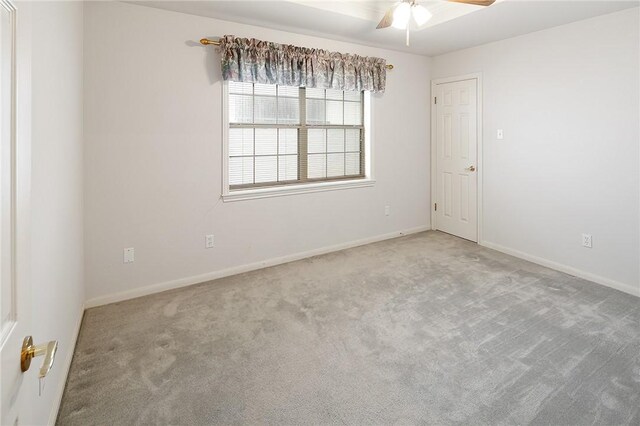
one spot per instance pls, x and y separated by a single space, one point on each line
30 351
471 168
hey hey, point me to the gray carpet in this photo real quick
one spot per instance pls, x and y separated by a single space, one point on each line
424 329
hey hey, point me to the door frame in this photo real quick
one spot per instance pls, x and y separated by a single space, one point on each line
480 167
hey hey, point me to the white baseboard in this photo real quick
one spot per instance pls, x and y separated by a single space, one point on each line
66 366
197 279
564 268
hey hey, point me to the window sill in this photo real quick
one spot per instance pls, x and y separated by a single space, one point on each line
252 194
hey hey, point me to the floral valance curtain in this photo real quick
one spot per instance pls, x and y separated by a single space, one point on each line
257 61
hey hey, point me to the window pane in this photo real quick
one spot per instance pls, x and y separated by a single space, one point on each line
334 112
352 164
335 140
243 88
290 91
266 169
288 110
352 113
268 154
315 111
314 93
264 89
240 109
352 96
266 141
240 170
288 141
316 141
335 165
287 167
352 142
265 110
240 142
316 166
335 94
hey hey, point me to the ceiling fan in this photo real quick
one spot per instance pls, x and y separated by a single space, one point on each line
408 14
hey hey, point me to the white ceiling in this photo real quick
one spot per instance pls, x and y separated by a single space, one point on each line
453 27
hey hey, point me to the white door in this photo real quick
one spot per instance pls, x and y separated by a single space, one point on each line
15 172
456 208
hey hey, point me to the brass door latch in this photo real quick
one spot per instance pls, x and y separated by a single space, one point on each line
30 351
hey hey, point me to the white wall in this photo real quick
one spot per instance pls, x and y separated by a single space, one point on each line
567 99
56 197
153 111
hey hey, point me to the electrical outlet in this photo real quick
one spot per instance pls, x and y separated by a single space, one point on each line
209 241
128 255
387 210
586 240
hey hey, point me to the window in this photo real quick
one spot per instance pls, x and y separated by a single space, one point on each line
281 135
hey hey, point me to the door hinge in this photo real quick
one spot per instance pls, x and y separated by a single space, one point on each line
435 100
435 207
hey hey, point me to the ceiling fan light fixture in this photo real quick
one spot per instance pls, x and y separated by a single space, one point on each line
401 15
420 15
408 14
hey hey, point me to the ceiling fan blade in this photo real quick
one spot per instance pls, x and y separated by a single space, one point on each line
387 19
476 2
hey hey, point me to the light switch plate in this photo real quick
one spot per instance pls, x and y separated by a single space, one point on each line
128 255
500 134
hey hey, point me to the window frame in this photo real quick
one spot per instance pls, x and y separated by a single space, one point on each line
252 191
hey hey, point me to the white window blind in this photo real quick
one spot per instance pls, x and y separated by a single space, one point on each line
281 135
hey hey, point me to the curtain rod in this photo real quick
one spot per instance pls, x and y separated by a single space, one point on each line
206 41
